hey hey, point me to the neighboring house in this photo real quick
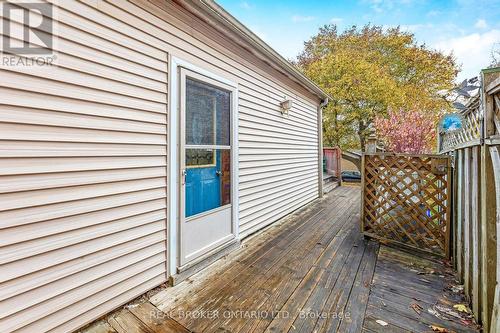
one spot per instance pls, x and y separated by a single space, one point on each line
157 143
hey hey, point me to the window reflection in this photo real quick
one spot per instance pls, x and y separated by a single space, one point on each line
208 111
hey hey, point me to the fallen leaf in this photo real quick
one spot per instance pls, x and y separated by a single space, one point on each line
416 307
381 322
441 329
461 308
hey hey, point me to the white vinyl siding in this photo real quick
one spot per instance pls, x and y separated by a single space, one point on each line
83 158
83 151
278 161
278 155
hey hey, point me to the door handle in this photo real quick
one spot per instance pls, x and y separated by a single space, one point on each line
218 173
183 175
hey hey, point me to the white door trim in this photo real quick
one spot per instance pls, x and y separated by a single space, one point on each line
173 239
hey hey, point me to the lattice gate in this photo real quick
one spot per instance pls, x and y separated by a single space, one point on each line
406 200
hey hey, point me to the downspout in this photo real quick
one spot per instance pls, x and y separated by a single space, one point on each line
320 146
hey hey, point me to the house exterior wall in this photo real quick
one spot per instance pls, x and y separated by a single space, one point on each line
83 151
278 155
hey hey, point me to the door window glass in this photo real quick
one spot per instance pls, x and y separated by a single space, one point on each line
200 157
207 151
208 112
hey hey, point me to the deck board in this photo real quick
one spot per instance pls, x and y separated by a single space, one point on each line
402 280
311 272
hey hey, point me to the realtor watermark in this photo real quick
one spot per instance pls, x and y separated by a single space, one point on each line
27 33
247 314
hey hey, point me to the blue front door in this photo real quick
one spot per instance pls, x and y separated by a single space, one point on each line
203 187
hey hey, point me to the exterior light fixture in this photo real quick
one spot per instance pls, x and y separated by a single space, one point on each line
285 106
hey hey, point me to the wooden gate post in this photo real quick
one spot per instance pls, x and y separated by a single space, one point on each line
371 144
495 317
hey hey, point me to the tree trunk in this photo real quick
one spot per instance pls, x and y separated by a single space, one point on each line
362 136
336 122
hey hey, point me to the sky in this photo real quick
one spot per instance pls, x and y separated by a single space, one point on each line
468 28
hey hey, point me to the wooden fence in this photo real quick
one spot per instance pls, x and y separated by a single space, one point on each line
406 200
476 200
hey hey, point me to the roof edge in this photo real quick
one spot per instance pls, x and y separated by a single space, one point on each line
229 21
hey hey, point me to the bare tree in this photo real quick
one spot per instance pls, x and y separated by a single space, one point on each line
495 56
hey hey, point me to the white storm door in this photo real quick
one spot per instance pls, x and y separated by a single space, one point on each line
205 172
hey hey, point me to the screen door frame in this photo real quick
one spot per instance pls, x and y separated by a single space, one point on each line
175 214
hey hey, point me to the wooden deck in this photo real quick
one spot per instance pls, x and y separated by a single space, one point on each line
312 272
